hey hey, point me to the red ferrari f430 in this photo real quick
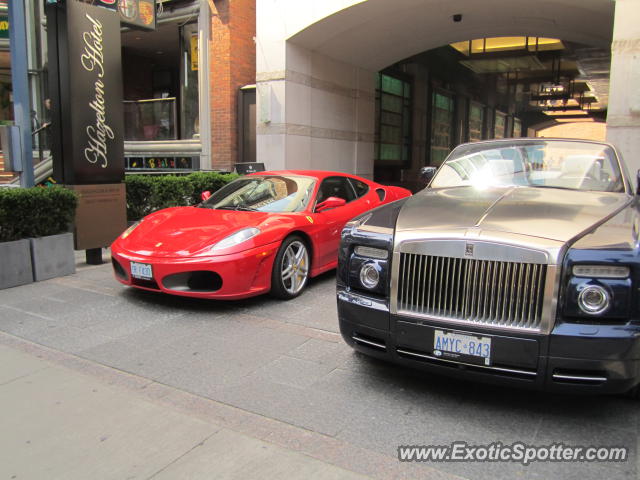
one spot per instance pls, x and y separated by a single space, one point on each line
263 232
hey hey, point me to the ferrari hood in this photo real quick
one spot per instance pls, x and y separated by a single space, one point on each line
554 214
184 231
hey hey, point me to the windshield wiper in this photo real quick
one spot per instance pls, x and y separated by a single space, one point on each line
242 208
533 185
246 209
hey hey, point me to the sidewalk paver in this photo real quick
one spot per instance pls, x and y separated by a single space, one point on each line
57 423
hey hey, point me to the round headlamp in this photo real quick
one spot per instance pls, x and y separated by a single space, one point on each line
593 299
369 276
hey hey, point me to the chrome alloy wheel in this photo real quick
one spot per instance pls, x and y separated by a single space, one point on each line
295 267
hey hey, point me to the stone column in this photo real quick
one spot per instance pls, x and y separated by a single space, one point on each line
623 116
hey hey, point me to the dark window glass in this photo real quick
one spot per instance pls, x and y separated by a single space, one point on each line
361 188
335 187
441 126
393 120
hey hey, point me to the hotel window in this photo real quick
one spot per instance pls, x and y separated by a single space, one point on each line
393 125
476 121
500 125
517 128
442 113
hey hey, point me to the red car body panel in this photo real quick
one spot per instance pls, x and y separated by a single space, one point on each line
179 239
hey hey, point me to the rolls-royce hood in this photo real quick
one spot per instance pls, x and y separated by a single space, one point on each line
547 213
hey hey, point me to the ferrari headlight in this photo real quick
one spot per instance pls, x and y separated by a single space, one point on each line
593 299
236 238
128 231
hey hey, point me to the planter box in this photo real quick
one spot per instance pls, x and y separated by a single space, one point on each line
15 258
52 256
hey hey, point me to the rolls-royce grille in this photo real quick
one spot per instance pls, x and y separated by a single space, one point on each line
507 294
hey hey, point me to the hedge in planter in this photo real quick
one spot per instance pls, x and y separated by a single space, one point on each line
148 193
35 212
33 242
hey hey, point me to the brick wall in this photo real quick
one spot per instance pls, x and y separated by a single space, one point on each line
232 63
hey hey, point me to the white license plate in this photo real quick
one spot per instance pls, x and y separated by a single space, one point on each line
141 270
449 344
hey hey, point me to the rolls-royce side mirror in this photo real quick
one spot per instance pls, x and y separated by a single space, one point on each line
427 173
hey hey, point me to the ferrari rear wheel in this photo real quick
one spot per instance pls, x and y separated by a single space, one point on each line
290 268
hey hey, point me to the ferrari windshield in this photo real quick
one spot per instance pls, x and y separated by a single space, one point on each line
268 193
537 163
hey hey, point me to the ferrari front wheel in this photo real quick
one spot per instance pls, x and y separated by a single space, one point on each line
290 268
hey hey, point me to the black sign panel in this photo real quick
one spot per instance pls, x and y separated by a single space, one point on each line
135 13
245 168
86 94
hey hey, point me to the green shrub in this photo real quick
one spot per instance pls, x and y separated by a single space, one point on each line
211 181
148 193
35 212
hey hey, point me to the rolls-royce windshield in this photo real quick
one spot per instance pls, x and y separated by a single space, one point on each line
556 164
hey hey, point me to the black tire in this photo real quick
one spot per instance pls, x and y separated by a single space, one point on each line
291 267
634 393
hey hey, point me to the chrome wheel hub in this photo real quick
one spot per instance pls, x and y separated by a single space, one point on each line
295 267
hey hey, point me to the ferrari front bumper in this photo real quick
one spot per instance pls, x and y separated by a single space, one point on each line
236 276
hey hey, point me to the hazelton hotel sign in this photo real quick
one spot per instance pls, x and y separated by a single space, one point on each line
89 75
92 60
85 72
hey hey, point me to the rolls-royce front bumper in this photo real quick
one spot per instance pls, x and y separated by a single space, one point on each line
572 358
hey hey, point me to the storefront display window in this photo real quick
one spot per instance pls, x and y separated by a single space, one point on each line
161 88
190 127
149 120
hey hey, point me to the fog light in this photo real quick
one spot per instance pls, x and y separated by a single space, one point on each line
369 276
593 299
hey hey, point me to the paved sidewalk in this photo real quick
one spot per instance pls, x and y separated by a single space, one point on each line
60 423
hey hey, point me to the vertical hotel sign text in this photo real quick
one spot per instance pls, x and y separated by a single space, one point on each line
92 60
90 77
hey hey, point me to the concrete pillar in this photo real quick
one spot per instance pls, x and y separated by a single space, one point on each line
313 111
623 116
317 113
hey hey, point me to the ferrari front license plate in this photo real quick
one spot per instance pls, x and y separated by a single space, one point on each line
141 270
462 347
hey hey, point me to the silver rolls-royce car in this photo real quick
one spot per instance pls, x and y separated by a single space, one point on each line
518 264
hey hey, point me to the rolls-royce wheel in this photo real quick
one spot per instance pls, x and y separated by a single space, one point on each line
290 268
634 393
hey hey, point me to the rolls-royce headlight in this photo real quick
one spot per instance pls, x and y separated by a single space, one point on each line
369 276
600 271
594 299
370 252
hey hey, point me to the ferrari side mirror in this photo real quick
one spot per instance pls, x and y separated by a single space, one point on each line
205 195
331 202
427 173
